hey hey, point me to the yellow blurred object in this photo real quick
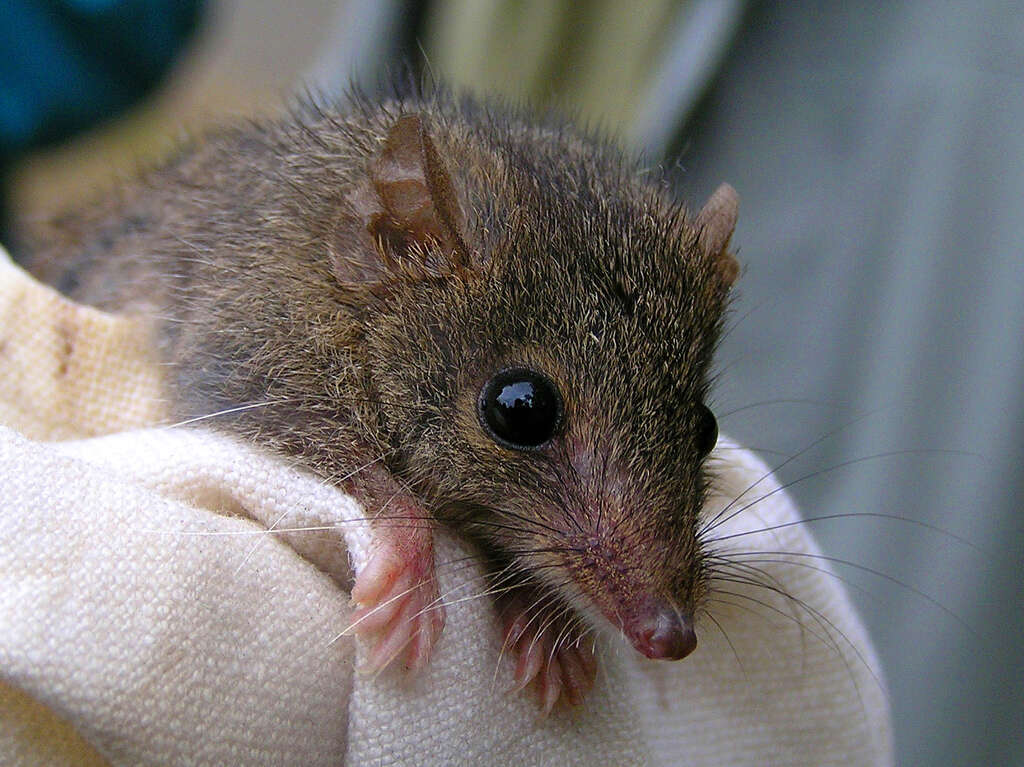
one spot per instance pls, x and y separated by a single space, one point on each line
34 734
593 57
70 371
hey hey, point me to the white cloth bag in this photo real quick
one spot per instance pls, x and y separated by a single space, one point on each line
173 596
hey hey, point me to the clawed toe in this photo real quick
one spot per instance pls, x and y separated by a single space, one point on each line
567 672
399 614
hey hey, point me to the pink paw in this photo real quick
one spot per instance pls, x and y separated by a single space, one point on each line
551 653
398 610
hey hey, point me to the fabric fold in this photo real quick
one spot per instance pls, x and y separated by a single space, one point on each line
174 596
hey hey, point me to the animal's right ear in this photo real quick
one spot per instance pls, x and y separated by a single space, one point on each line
407 208
715 224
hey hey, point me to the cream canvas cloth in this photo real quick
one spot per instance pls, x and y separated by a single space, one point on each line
170 596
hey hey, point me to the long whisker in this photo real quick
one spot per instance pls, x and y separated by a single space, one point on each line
228 411
718 520
811 445
848 515
828 628
863 568
785 401
348 630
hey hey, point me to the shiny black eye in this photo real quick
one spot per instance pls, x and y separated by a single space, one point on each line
707 430
520 408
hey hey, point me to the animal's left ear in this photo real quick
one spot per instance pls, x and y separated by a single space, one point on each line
409 208
715 224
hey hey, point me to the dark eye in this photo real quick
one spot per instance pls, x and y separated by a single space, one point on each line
520 408
707 430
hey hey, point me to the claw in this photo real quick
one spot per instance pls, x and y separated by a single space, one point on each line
551 686
378 575
399 614
566 673
391 643
528 665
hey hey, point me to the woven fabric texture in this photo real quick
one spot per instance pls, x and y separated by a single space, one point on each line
172 596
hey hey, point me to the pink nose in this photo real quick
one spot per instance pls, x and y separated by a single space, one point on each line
663 634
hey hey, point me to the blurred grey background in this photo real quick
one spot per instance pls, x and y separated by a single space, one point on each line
878 150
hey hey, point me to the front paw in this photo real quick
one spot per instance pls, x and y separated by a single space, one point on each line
551 648
399 612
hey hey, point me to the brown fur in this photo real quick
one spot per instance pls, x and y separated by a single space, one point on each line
277 269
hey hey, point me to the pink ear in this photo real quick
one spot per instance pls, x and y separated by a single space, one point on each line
715 224
414 210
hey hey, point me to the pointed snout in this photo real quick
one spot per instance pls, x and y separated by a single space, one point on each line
662 633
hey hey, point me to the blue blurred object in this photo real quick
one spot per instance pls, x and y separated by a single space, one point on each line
68 64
